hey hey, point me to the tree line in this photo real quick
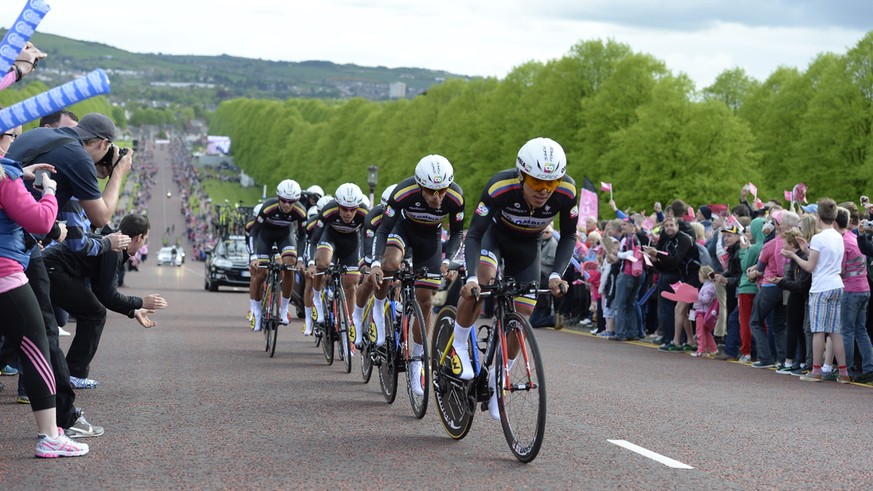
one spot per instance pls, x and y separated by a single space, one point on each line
622 117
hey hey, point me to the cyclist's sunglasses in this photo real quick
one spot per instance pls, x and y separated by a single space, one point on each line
343 208
287 201
541 184
434 192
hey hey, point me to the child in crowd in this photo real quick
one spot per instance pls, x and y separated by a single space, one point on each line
706 302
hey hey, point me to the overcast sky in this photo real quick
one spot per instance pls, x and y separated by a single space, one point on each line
472 37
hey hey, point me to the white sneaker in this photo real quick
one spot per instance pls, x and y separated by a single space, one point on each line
60 446
415 377
493 408
62 332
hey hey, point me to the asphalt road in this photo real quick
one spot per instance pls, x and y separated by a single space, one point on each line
196 403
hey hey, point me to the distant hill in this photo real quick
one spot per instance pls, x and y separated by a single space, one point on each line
208 80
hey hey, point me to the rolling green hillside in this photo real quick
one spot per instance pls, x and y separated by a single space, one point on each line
208 80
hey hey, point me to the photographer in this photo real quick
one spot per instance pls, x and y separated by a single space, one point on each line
69 271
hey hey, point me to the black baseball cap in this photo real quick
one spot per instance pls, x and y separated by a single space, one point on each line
96 125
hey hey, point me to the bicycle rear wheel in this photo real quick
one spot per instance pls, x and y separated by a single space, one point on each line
521 392
413 321
453 402
275 321
388 368
342 323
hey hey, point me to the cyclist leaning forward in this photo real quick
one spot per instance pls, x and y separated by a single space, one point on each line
365 289
338 234
412 220
515 207
280 221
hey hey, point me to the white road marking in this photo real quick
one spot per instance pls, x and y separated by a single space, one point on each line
652 455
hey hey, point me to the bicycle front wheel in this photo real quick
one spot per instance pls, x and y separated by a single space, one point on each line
417 369
369 338
273 326
521 390
388 368
327 332
342 323
453 402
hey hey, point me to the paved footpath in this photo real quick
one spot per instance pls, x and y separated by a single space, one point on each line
195 403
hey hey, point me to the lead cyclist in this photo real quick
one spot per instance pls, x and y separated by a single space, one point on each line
514 209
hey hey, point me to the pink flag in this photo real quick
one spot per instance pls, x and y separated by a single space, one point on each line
787 195
758 203
605 186
753 189
648 224
799 192
588 202
732 221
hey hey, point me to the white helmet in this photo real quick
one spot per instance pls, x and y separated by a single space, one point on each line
542 158
316 190
323 201
288 190
349 195
312 212
386 194
257 209
366 202
434 172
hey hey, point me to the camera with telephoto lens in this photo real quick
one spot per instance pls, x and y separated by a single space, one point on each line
868 226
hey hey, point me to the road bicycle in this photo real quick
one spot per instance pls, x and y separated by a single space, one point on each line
334 328
403 323
520 382
270 301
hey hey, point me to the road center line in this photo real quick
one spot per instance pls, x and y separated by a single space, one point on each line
652 455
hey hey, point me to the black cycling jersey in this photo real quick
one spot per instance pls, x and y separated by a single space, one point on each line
371 224
275 224
407 206
330 220
502 208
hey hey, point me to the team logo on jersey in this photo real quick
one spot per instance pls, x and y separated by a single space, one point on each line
548 208
459 216
482 210
517 205
370 234
389 211
574 212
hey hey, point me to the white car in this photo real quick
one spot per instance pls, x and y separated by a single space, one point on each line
166 256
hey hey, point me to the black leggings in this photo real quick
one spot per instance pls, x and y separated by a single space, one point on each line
23 327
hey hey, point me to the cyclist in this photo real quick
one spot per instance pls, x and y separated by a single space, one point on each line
412 220
311 196
280 222
311 223
339 236
514 209
365 289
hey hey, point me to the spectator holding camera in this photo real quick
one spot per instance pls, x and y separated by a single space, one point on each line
856 294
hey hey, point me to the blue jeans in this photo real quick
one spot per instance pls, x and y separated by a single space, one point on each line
627 287
853 314
732 339
769 300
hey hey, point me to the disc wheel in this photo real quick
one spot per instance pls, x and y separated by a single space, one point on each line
388 368
417 369
521 390
450 394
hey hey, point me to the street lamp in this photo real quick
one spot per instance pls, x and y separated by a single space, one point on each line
372 180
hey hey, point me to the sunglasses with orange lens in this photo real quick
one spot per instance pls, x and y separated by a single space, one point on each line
541 184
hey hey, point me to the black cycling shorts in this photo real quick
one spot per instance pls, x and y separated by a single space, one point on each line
344 248
521 255
284 240
426 248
